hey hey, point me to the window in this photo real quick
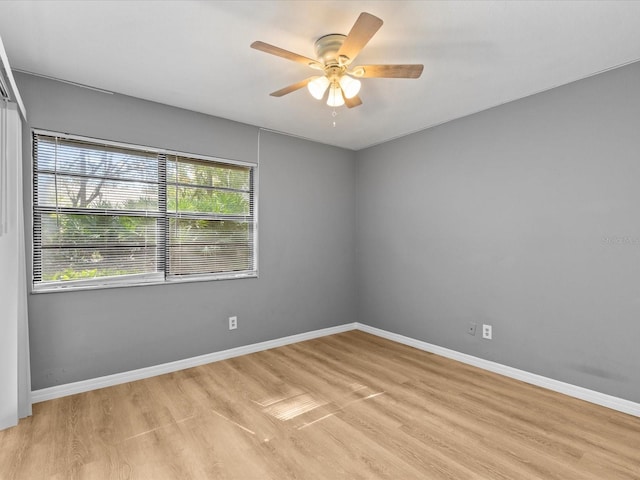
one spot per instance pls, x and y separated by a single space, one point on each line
106 213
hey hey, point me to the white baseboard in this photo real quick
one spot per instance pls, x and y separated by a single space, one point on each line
602 399
117 378
609 401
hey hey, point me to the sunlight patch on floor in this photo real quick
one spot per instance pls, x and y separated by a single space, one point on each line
293 407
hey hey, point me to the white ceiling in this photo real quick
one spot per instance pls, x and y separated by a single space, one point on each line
195 54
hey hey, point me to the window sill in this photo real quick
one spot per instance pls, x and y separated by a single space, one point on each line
66 287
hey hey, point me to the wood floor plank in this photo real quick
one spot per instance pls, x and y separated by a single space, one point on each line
347 406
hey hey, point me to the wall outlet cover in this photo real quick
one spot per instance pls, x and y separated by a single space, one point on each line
487 332
471 329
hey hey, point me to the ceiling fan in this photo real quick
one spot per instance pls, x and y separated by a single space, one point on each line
335 53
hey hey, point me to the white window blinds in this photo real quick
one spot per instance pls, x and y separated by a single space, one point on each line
111 213
210 214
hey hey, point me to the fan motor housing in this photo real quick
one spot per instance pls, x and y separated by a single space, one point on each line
327 48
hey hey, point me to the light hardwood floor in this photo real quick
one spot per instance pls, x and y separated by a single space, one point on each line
348 406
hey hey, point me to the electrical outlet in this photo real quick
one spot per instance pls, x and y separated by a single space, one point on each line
233 323
471 329
487 331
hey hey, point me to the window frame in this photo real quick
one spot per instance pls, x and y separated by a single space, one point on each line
162 276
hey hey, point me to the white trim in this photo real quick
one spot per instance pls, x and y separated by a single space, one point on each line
127 282
118 378
598 398
4 60
602 399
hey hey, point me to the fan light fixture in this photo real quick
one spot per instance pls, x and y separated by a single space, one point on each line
347 86
335 98
350 86
317 87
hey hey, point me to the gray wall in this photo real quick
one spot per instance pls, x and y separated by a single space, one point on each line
306 245
523 216
526 217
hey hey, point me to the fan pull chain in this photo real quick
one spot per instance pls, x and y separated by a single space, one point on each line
334 114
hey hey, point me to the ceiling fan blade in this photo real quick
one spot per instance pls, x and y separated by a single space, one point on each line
292 88
353 101
365 27
280 52
388 71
